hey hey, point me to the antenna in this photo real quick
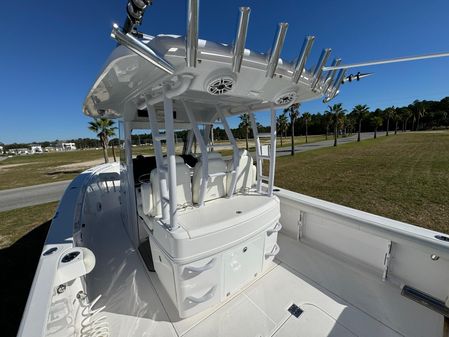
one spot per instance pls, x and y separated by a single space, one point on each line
386 61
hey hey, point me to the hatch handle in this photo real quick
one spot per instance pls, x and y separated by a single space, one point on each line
273 252
276 229
207 296
197 270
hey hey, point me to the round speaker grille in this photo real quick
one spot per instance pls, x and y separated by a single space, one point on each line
286 98
220 86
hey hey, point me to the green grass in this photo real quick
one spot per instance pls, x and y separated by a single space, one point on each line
286 143
403 177
42 168
16 223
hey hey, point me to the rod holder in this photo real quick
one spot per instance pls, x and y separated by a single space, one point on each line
319 67
192 33
336 86
331 75
240 39
141 49
276 51
305 52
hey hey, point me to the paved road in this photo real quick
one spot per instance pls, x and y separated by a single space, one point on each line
284 151
40 194
32 195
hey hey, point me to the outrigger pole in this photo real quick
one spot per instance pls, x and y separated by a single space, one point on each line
386 61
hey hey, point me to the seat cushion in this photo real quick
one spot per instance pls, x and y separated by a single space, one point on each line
216 185
245 173
183 187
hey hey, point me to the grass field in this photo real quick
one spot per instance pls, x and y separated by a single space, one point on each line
44 168
36 169
403 177
16 223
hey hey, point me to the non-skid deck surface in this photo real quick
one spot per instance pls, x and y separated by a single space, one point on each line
137 305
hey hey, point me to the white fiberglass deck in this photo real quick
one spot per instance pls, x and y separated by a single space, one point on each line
137 305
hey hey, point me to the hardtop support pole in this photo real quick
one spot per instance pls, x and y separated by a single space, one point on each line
272 151
204 158
235 150
258 154
162 181
170 133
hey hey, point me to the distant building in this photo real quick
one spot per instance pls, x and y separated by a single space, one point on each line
65 146
49 149
1 149
36 149
68 146
19 151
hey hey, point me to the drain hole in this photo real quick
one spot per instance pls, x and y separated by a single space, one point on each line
295 310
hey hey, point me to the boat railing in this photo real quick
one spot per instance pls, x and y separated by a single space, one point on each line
62 264
394 252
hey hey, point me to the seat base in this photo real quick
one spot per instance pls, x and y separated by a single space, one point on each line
217 226
216 250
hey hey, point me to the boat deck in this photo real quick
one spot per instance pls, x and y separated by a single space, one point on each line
336 298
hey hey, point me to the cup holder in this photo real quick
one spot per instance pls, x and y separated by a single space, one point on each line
70 256
442 238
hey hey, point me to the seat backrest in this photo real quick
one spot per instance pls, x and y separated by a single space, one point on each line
183 187
216 185
246 177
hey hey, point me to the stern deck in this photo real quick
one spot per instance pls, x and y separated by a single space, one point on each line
336 299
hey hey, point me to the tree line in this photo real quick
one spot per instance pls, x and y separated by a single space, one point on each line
419 115
336 120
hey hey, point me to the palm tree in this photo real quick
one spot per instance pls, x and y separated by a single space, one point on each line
282 124
328 122
376 121
360 112
396 117
104 128
389 112
405 114
306 117
293 112
337 112
419 111
244 124
349 123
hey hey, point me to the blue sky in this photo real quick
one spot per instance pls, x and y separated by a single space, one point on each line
52 51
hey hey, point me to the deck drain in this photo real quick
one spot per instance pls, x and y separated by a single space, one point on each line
295 310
